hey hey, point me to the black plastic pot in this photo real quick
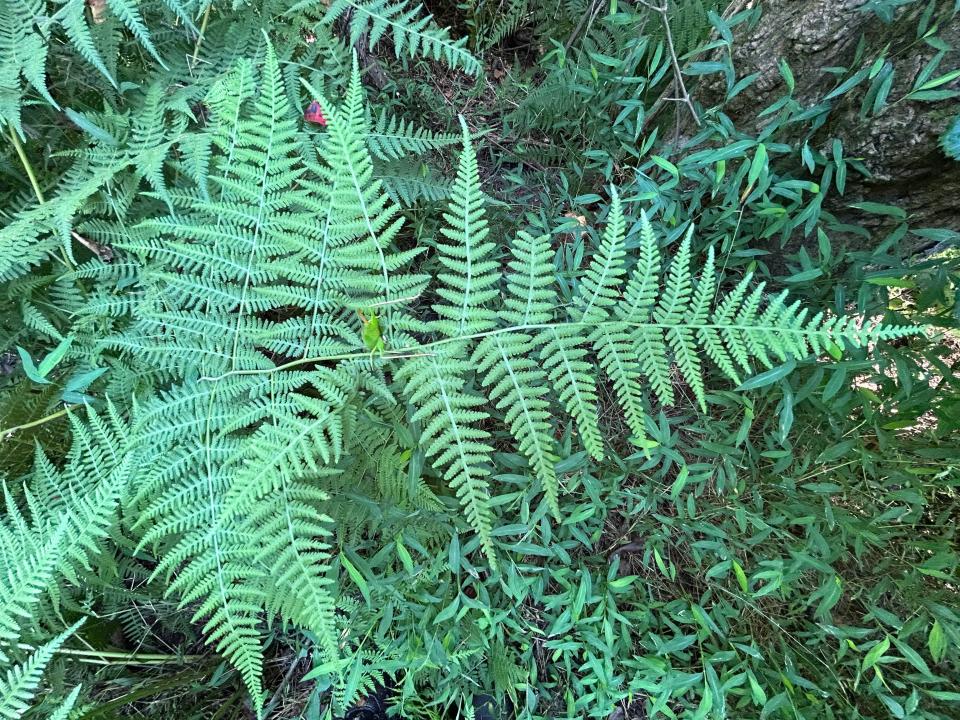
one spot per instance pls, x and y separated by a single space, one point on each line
373 708
485 708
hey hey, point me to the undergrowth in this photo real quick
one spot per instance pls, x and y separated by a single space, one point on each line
508 373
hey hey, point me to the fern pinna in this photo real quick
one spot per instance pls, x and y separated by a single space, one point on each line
278 309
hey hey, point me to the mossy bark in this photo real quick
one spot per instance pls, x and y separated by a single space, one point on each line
900 146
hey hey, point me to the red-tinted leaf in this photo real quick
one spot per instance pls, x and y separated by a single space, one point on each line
314 114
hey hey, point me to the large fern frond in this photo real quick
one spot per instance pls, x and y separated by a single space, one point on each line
71 512
205 550
645 332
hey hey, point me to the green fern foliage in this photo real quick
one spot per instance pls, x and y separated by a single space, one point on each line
497 24
26 30
451 436
208 548
242 539
63 711
409 184
39 230
470 279
518 386
393 138
648 329
21 681
71 512
412 33
295 383
23 54
229 501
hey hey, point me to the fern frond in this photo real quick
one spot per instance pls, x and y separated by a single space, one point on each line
74 22
503 23
297 552
676 292
617 352
564 357
411 33
362 209
210 295
531 298
207 549
392 480
129 14
64 709
408 184
72 511
600 286
508 365
304 435
37 232
23 53
643 286
29 562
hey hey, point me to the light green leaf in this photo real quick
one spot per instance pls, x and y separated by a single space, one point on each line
769 377
937 642
55 356
758 165
741 576
875 653
357 578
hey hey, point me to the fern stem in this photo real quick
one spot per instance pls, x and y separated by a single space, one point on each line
424 350
34 423
105 657
203 30
36 189
26 164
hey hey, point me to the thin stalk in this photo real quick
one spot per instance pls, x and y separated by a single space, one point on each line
34 423
203 29
14 138
105 656
287 677
426 348
684 96
26 165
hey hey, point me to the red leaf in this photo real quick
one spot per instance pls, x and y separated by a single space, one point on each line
314 114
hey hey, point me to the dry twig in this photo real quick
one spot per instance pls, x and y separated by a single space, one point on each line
684 96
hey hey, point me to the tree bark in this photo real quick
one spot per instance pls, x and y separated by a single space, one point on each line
901 145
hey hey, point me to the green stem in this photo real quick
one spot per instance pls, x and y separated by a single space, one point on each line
203 29
15 139
34 423
125 657
425 348
26 164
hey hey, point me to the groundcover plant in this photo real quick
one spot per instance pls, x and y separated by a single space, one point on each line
491 358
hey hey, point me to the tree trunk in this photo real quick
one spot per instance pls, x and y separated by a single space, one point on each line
900 146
